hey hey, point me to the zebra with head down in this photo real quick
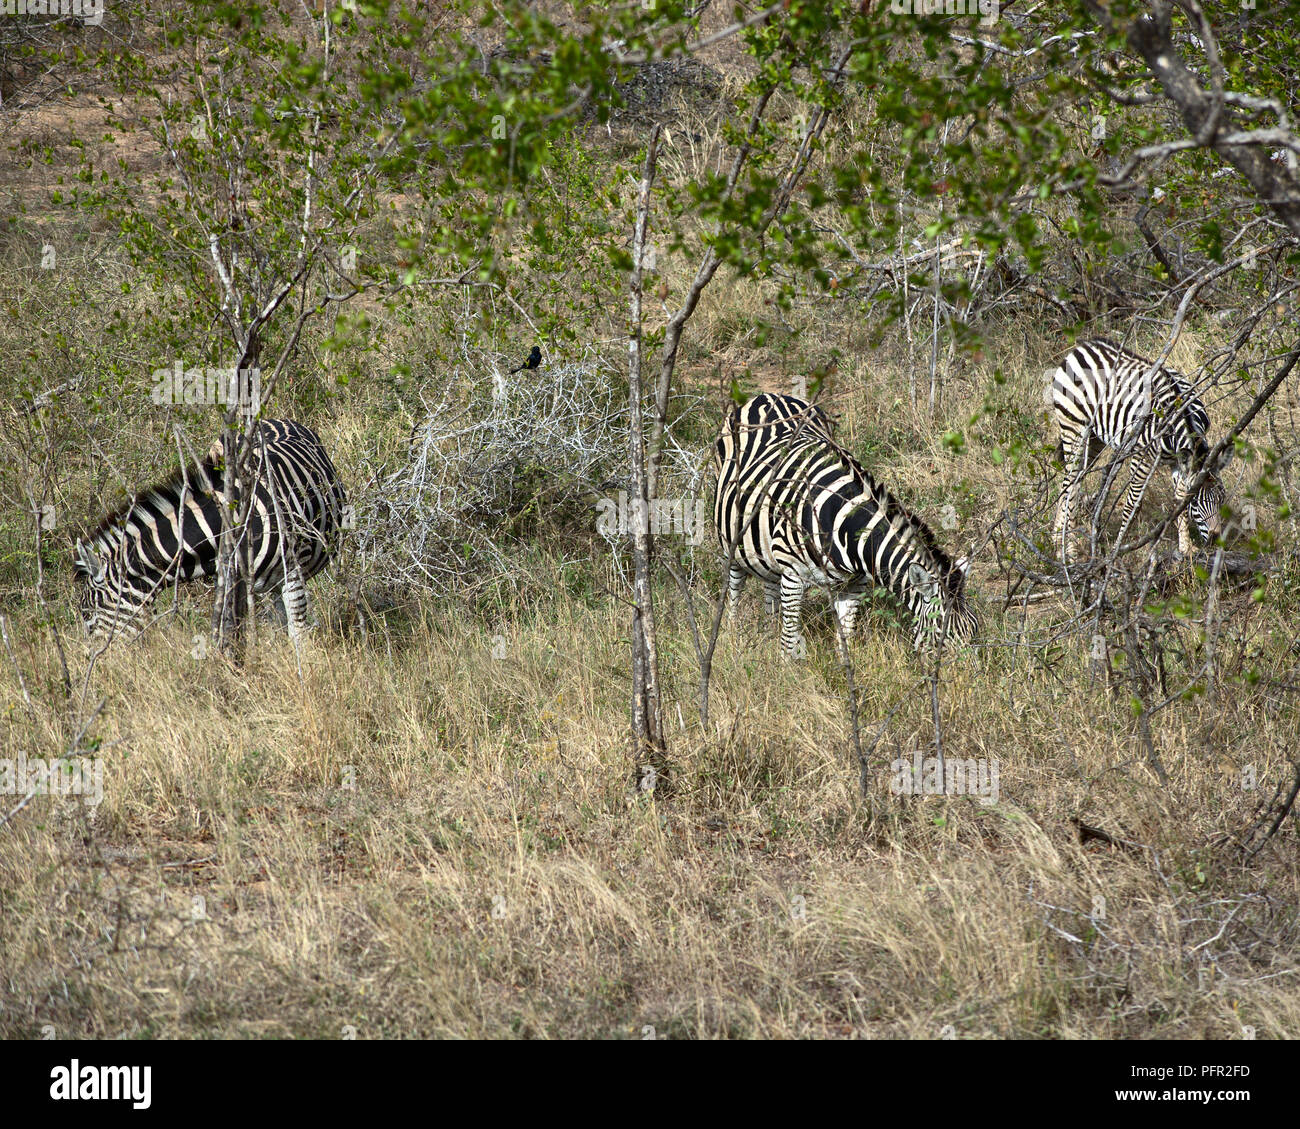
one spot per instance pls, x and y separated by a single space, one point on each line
169 532
800 510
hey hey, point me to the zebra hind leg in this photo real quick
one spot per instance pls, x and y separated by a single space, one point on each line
293 596
1075 457
735 582
1185 518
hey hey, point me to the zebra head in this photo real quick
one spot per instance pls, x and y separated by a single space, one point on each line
939 604
1205 511
106 601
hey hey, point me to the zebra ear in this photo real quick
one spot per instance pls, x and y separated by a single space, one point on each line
1224 460
86 562
919 577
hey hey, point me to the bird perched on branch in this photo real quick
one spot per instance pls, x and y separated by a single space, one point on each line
534 359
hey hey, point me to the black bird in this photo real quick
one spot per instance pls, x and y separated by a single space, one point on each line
534 359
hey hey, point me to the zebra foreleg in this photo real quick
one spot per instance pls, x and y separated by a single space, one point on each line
772 596
1139 479
846 613
792 589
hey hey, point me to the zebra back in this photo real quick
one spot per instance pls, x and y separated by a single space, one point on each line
766 418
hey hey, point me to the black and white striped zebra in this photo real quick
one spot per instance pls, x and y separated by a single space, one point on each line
801 511
1102 397
169 532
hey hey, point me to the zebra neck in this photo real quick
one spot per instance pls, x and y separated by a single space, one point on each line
160 503
889 544
107 541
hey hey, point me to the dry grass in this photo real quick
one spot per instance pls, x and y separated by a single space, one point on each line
417 835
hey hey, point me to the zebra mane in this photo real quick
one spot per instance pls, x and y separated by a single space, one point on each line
204 478
1201 451
924 534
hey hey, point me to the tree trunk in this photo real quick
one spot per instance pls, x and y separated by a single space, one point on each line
649 751
234 552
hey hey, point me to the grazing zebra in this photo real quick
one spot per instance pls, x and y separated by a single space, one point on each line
1100 396
169 532
801 510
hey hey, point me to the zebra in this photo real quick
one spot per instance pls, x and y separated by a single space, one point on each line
169 532
800 510
1101 398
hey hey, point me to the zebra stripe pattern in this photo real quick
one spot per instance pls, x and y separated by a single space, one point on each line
1100 398
801 511
169 532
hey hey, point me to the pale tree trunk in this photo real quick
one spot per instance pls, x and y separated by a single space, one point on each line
228 610
673 330
233 603
791 179
649 751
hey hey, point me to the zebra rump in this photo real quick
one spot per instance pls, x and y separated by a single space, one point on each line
169 532
801 511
